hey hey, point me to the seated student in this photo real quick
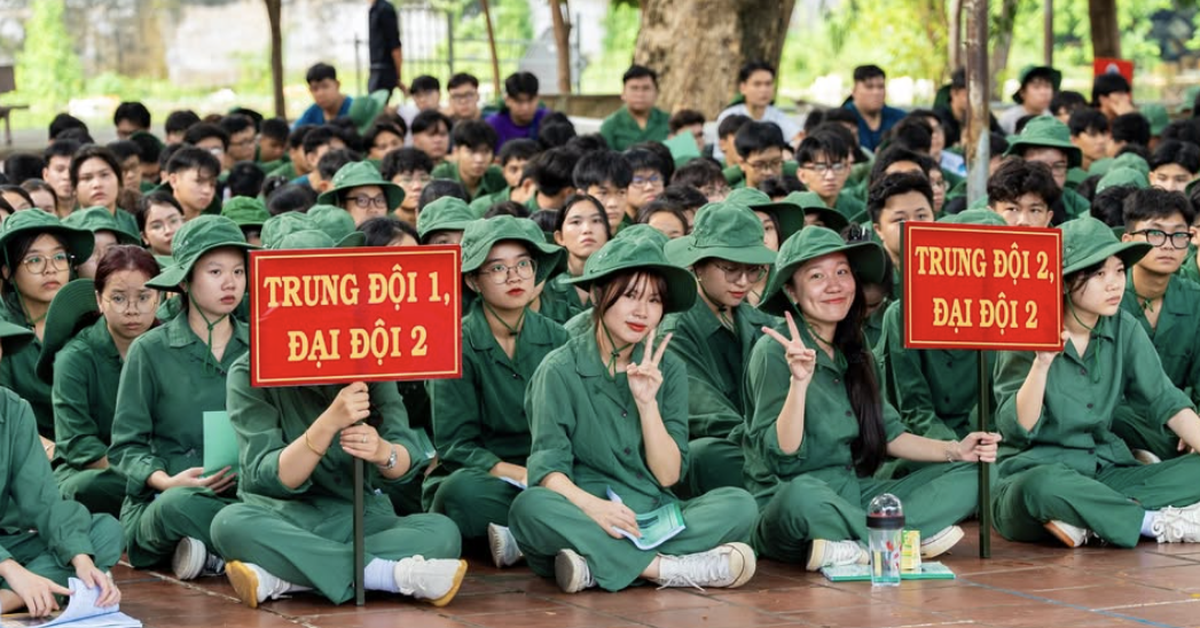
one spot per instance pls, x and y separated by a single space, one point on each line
1033 97
296 164
1129 129
96 177
759 148
242 137
581 228
177 123
463 90
383 137
1023 193
811 474
649 179
638 120
522 113
388 231
780 220
57 173
328 101
437 189
756 98
106 233
547 181
129 118
89 328
1047 140
727 130
666 217
1112 95
703 175
272 144
479 423
1174 165
211 138
443 221
1063 473
588 476
1066 102
317 142
894 200
513 160
157 431
471 164
687 121
410 169
1090 132
127 154
868 101
727 257
824 167
191 177
46 539
41 194
245 180
159 216
431 135
605 176
897 159
426 92
359 189
1164 305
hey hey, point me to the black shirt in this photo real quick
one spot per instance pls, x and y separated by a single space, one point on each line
383 35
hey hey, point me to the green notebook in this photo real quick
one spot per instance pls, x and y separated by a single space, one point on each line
220 443
862 573
657 526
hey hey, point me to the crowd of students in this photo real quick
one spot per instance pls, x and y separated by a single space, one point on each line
648 320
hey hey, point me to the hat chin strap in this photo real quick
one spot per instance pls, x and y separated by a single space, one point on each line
722 310
610 367
209 359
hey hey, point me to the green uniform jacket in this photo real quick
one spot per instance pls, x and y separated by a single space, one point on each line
936 391
560 300
621 131
1189 270
737 179
1081 393
18 372
170 380
480 420
830 425
287 171
851 207
483 203
715 358
586 425
1177 338
87 373
1075 204
493 179
28 492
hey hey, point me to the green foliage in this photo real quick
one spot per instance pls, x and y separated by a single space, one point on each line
513 27
48 71
621 25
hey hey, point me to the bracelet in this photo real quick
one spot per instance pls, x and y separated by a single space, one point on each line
950 451
310 446
391 462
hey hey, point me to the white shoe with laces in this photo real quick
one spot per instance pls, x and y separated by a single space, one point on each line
433 580
727 566
1178 525
1070 535
941 542
503 546
193 560
571 572
836 554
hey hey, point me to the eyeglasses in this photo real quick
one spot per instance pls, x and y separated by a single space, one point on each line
1158 237
408 179
1058 168
823 169
464 96
734 273
715 191
145 302
766 166
36 264
364 202
645 182
161 225
499 272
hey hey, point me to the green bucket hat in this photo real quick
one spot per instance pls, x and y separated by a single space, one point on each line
723 231
337 224
1158 117
245 211
357 174
811 203
481 235
974 217
13 337
195 238
1132 160
1122 176
80 242
643 232
276 228
306 239
364 109
866 260
95 219
788 216
1087 242
1049 132
72 302
638 254
445 214
1030 72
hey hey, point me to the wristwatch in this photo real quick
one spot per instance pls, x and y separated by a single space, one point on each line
391 463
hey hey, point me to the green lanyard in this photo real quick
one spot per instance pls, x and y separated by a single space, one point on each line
610 367
513 330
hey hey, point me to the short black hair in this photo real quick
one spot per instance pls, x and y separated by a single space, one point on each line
664 157
756 137
1187 156
731 124
180 121
658 206
60 148
439 188
245 179
95 151
1132 128
1108 206
164 155
149 147
429 119
1183 130
553 133
462 78
275 128
867 72
521 84
380 127
1107 84
77 134
333 160
1135 149
135 112
913 133
684 197
200 132
21 167
636 71
545 219
1151 203
587 143
682 118
403 160
997 144
381 230
124 149
318 137
1087 187
236 123
1066 100
894 185
896 154
291 197
1016 178
698 173
424 83
193 158
1019 125
63 122
602 167
642 159
474 135
19 191
319 72
295 139
553 170
779 187
1087 120
751 67
507 208
521 148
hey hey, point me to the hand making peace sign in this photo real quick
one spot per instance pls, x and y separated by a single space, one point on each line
645 378
801 360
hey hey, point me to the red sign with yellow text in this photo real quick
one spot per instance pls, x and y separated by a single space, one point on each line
334 316
982 287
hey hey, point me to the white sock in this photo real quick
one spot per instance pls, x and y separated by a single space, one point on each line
380 575
1148 520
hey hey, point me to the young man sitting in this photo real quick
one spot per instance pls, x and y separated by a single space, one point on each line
824 167
759 148
1023 193
1090 132
638 120
328 101
521 115
1174 165
474 146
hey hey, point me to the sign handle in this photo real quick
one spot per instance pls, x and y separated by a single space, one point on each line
985 486
360 593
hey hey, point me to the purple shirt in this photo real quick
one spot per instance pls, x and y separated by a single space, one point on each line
507 130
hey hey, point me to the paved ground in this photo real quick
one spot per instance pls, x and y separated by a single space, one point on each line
1022 585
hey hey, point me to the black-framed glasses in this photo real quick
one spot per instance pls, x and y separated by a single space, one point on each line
822 168
365 202
499 272
733 273
1158 237
36 264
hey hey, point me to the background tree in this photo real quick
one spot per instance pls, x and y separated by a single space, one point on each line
48 71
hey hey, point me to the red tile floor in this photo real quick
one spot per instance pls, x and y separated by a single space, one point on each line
1021 585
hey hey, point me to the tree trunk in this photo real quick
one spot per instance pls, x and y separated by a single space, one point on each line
275 17
1004 36
955 35
1106 36
698 46
562 42
491 35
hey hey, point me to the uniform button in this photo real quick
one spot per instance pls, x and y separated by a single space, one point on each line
516 376
1089 406
627 450
837 381
1083 371
849 413
624 413
640 476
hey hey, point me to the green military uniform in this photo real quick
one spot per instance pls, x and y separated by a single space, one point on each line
444 214
560 300
479 420
715 348
1071 467
585 426
621 130
493 180
814 492
481 204
286 170
852 208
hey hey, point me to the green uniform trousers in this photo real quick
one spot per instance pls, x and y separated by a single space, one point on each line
321 556
1111 504
1139 433
99 490
544 522
833 507
713 463
154 528
30 551
472 498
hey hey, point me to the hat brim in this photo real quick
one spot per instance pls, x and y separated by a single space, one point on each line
80 242
684 252
788 216
13 337
170 278
1043 71
548 256
866 260
1074 155
352 240
1128 252
72 302
681 285
453 225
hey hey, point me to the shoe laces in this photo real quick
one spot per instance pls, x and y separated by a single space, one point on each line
213 564
693 569
842 553
1175 525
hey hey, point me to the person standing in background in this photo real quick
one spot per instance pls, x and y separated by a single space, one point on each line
383 43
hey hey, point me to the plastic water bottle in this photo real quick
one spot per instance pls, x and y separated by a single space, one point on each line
885 527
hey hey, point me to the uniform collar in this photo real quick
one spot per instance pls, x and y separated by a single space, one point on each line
588 361
180 334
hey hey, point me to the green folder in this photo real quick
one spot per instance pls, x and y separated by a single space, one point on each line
220 443
862 573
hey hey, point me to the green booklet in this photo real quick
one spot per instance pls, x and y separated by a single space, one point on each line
657 526
220 443
853 573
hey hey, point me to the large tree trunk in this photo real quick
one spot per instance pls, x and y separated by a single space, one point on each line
275 17
955 35
1003 39
697 46
1106 36
562 44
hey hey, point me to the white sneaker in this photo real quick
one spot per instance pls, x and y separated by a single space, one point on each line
1070 535
435 580
726 566
836 554
1145 457
505 552
1178 525
255 585
571 572
941 542
193 560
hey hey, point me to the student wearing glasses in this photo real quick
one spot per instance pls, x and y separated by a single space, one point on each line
824 168
760 146
649 179
359 189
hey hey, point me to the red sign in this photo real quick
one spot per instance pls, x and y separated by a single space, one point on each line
1102 65
334 316
982 287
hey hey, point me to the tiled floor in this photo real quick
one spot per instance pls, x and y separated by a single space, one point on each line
1021 585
